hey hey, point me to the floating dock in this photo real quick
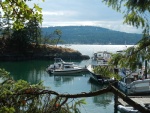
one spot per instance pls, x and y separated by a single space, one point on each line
143 100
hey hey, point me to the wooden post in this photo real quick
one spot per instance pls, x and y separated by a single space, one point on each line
129 101
145 72
116 99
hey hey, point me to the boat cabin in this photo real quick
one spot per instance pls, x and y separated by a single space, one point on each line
58 60
134 85
101 57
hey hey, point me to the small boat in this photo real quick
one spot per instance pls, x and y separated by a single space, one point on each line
61 67
97 77
100 59
127 109
134 87
101 56
135 83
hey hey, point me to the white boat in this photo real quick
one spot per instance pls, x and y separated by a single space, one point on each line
127 109
134 83
101 56
131 85
61 67
99 78
100 60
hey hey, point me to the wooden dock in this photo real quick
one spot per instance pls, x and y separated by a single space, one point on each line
142 100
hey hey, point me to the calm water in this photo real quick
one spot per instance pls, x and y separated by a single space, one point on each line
34 72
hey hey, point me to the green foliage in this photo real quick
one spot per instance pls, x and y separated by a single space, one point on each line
19 12
115 58
45 39
101 70
74 108
22 97
134 19
135 12
4 74
58 33
106 72
7 110
20 40
33 30
53 38
25 22
134 56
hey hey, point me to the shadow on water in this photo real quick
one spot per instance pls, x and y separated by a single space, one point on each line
104 99
35 71
31 71
68 78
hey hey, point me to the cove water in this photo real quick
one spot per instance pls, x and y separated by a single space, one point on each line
35 71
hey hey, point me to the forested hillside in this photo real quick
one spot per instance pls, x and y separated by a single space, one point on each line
93 35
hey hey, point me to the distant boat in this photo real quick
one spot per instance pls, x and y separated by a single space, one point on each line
60 67
101 56
67 45
127 109
100 59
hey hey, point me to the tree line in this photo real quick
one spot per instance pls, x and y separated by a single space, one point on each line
20 96
93 35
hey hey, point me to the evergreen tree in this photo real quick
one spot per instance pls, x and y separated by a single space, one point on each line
33 30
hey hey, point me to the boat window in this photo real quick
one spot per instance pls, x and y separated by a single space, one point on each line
100 54
129 80
58 60
67 66
140 84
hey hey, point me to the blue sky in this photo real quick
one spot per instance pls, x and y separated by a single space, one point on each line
82 12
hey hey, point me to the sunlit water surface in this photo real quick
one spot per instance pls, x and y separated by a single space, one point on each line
34 72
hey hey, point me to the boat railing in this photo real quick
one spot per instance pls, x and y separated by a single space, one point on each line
124 85
140 85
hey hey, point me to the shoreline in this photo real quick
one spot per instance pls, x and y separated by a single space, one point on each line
42 52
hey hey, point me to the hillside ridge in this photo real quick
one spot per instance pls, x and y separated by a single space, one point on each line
93 35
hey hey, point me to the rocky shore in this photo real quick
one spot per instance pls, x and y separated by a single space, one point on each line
41 52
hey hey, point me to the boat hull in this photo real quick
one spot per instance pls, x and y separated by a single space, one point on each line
62 72
99 78
124 109
138 87
60 68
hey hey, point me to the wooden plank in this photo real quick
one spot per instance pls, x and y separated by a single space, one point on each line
138 99
122 102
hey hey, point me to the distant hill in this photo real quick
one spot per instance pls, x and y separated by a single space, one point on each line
93 35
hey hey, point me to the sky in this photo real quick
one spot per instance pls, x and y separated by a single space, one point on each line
82 13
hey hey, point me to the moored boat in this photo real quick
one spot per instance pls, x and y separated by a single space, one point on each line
100 60
134 87
98 77
127 109
61 67
101 56
135 83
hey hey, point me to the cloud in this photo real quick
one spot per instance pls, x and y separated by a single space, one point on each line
82 12
58 13
46 13
112 25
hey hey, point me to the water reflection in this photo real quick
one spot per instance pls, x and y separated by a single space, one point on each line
104 99
34 71
31 71
68 78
